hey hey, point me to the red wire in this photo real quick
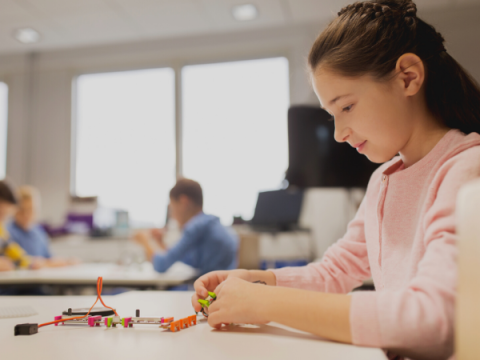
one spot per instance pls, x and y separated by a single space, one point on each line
99 297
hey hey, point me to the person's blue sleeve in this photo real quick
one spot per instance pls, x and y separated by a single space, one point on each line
46 244
161 262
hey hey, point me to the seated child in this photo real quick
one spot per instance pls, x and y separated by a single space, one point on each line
399 97
205 244
10 254
27 233
6 205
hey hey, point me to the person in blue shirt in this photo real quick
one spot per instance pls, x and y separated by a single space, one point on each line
205 243
28 234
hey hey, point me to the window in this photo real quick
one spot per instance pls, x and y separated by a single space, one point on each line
3 128
235 131
125 141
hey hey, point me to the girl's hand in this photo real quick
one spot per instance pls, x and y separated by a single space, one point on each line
240 302
210 281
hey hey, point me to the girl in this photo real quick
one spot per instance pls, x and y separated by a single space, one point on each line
392 88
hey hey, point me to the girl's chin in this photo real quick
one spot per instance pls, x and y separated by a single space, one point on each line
379 158
376 158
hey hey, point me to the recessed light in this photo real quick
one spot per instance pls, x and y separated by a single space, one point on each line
245 12
27 35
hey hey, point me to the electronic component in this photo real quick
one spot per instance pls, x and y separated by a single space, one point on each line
26 329
103 311
207 302
99 316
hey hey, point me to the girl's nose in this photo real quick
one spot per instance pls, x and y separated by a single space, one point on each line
342 134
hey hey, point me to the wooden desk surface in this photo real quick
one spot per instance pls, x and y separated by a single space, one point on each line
271 341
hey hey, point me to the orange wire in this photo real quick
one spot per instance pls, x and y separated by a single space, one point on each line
99 297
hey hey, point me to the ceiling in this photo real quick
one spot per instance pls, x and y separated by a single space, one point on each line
76 23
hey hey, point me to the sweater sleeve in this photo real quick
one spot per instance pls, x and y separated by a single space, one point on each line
418 320
343 267
162 261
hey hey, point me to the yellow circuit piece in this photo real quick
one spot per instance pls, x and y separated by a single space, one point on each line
17 254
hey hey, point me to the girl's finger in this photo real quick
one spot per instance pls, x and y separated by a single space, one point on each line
196 306
207 282
218 289
200 286
216 319
214 307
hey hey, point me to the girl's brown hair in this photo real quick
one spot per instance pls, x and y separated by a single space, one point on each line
367 38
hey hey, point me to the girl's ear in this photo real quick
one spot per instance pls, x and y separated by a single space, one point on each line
411 73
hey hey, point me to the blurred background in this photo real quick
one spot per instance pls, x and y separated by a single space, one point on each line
105 103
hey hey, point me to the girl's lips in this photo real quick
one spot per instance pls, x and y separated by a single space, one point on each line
360 146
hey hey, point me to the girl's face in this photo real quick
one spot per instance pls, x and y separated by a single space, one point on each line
372 116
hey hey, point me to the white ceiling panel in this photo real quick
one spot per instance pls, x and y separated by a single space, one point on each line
11 11
164 18
70 23
55 8
219 12
311 10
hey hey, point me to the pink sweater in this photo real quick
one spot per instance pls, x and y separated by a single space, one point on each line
403 236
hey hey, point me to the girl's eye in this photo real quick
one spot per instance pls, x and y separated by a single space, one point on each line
347 109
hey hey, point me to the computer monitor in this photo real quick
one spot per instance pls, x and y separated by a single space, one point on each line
316 159
277 210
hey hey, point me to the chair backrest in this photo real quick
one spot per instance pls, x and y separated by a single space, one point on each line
467 333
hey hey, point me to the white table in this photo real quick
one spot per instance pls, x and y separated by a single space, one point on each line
145 342
142 275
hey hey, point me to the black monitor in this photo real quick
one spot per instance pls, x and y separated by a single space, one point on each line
277 210
316 159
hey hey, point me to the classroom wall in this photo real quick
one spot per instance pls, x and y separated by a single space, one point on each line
40 86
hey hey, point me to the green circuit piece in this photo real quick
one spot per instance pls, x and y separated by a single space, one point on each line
109 322
204 303
212 295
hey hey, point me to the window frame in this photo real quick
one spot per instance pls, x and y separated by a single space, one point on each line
3 80
177 66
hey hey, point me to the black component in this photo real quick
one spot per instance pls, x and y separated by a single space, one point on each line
316 159
137 313
26 329
260 282
95 311
277 210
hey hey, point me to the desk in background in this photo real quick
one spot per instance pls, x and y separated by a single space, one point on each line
104 249
271 341
135 275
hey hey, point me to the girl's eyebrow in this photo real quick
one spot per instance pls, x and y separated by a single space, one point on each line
335 100
338 98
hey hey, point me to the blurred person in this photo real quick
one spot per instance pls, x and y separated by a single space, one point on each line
7 204
26 232
10 254
205 243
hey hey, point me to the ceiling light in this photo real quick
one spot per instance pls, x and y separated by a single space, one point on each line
27 35
245 12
